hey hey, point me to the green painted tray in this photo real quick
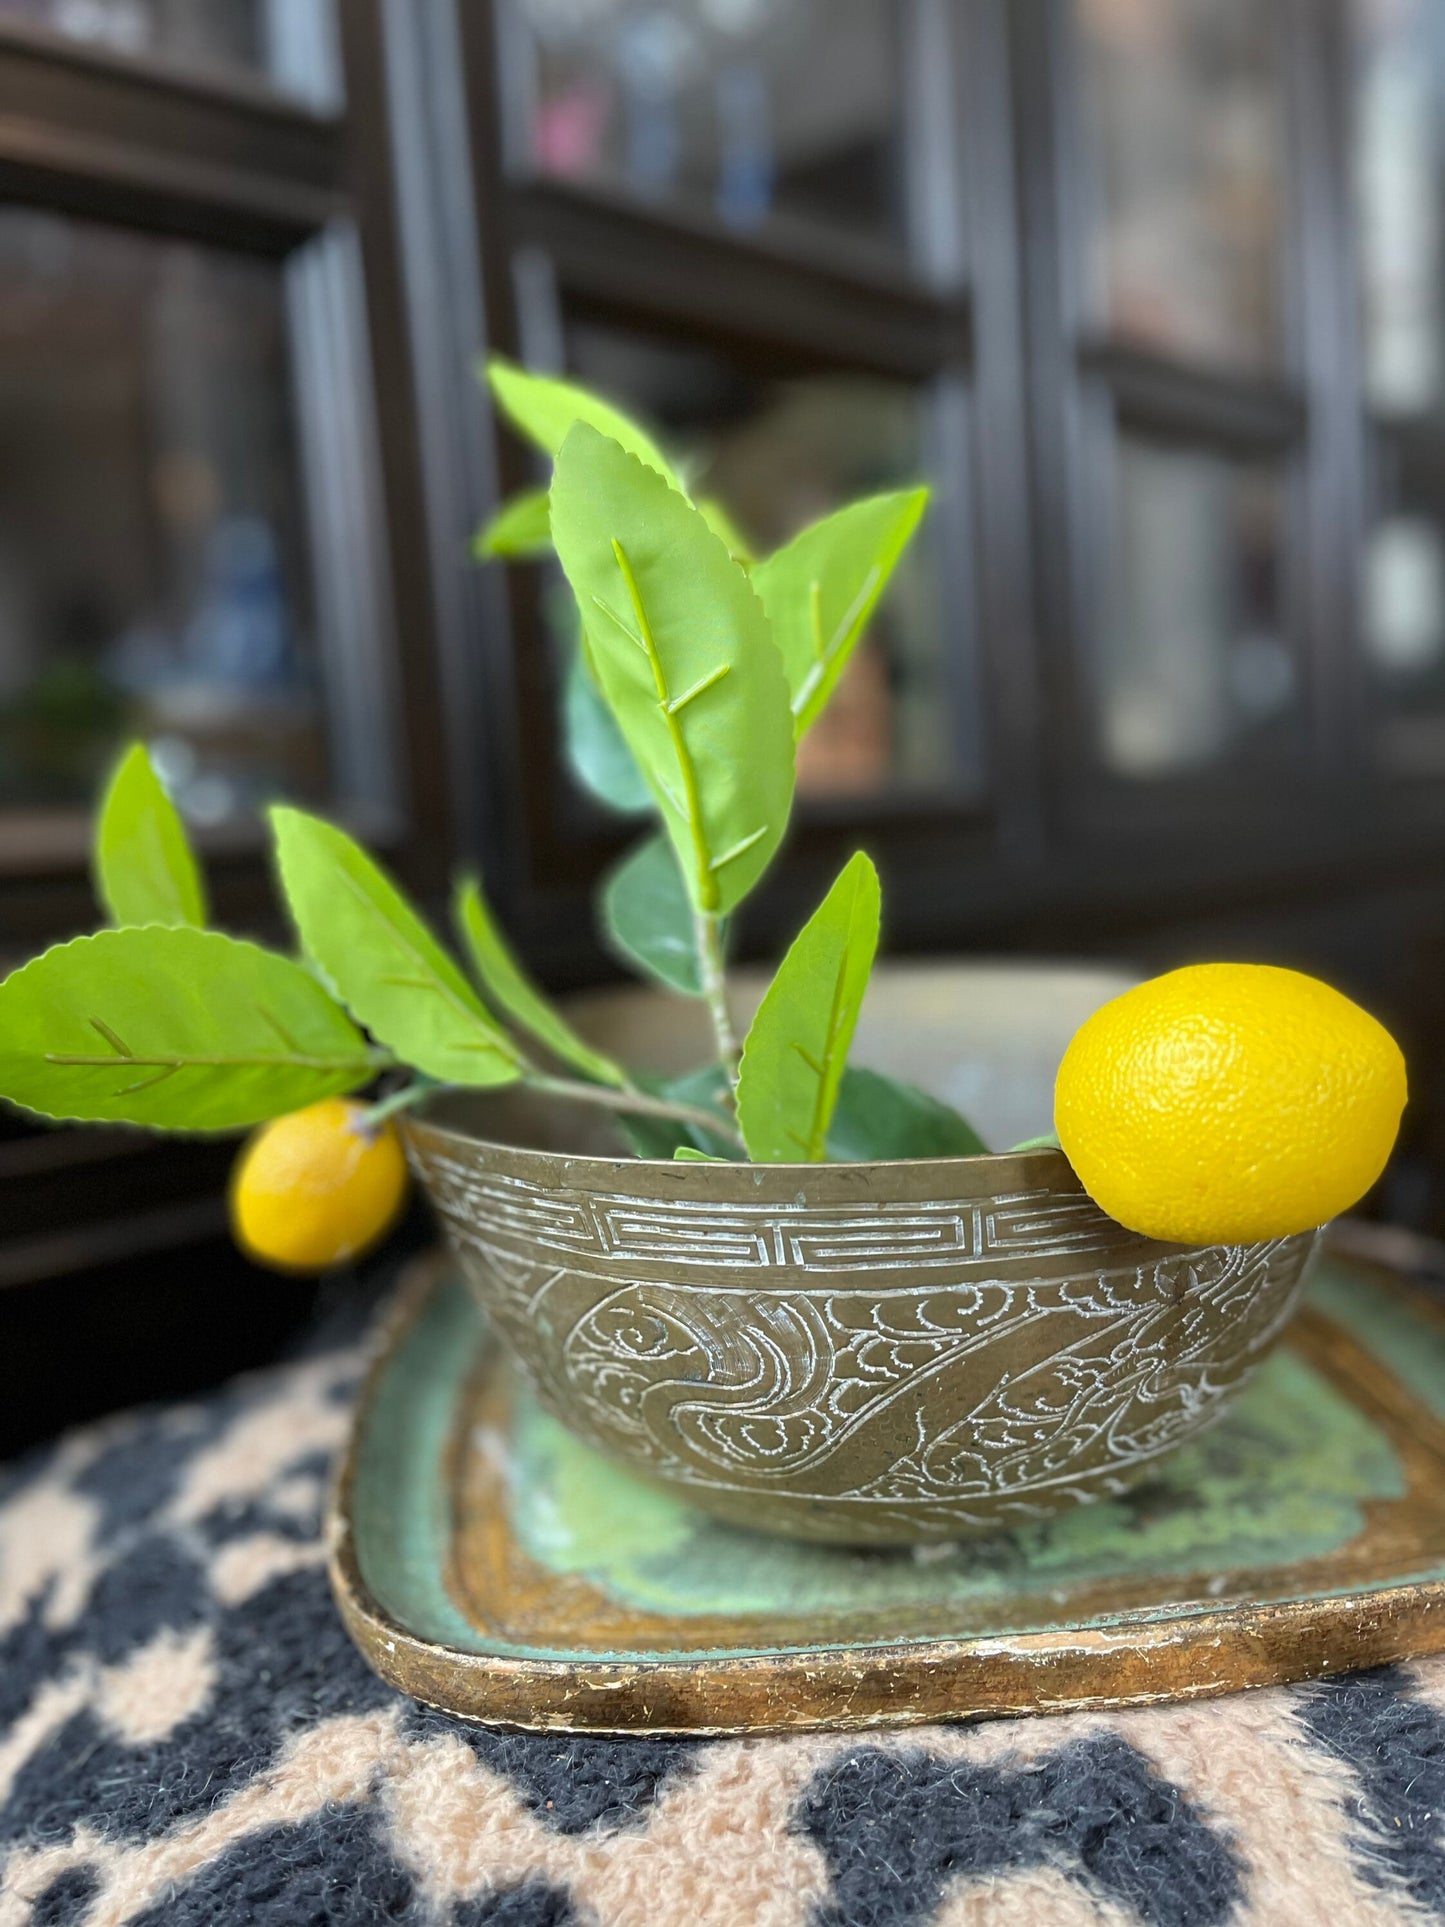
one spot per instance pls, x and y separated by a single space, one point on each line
486 1563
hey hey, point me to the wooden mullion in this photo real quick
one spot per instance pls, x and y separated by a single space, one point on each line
121 141
61 1253
161 72
1236 413
648 265
1329 549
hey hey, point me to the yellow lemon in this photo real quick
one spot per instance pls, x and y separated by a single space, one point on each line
314 1188
1229 1102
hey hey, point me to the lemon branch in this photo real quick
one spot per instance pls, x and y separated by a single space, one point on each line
633 1104
605 1097
712 976
707 922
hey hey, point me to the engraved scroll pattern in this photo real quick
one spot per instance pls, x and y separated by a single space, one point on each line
841 1321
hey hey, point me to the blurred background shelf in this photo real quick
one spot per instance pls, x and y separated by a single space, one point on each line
1152 291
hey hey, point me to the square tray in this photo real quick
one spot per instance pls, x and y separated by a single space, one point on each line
487 1563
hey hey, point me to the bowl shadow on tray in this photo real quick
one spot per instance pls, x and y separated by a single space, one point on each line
882 1353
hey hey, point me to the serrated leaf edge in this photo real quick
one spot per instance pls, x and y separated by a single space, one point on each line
470 1005
367 1065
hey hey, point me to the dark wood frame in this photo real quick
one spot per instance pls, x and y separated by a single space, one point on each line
1050 842
1333 805
237 164
404 206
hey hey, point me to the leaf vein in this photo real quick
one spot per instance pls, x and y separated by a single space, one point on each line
631 634
149 1083
708 894
699 688
267 1060
269 1017
817 1130
116 1042
740 848
826 653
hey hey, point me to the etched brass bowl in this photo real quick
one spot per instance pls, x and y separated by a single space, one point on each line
865 1353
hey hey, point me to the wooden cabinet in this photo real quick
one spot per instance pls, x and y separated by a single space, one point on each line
1153 294
211 535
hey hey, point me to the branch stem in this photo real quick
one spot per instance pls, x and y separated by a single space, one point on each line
630 1103
409 1095
605 1097
713 978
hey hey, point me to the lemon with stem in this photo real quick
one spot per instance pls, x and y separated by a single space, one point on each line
317 1187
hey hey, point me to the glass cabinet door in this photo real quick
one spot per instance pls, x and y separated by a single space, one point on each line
1182 423
154 567
1182 105
1399 183
280 41
1192 666
739 108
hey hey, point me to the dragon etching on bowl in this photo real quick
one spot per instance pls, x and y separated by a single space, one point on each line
865 1371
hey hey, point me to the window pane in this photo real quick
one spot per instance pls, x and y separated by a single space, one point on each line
745 108
1183 106
778 453
1192 664
1403 600
1399 179
153 575
277 38
1399 175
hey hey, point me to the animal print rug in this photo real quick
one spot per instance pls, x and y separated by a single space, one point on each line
187 1739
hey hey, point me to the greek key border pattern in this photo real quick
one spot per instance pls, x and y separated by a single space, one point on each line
618 1230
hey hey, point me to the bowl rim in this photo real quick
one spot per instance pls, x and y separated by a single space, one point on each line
984 1176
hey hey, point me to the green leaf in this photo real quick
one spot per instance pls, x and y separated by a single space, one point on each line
682 652
544 409
388 968
879 1117
821 589
726 530
798 1045
520 528
647 918
1048 1142
689 1154
596 750
514 991
183 1029
662 1137
145 870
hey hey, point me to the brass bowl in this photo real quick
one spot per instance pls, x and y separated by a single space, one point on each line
865 1353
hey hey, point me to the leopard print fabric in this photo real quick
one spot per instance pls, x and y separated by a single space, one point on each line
187 1737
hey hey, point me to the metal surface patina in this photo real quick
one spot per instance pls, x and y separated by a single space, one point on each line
487 1561
868 1354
